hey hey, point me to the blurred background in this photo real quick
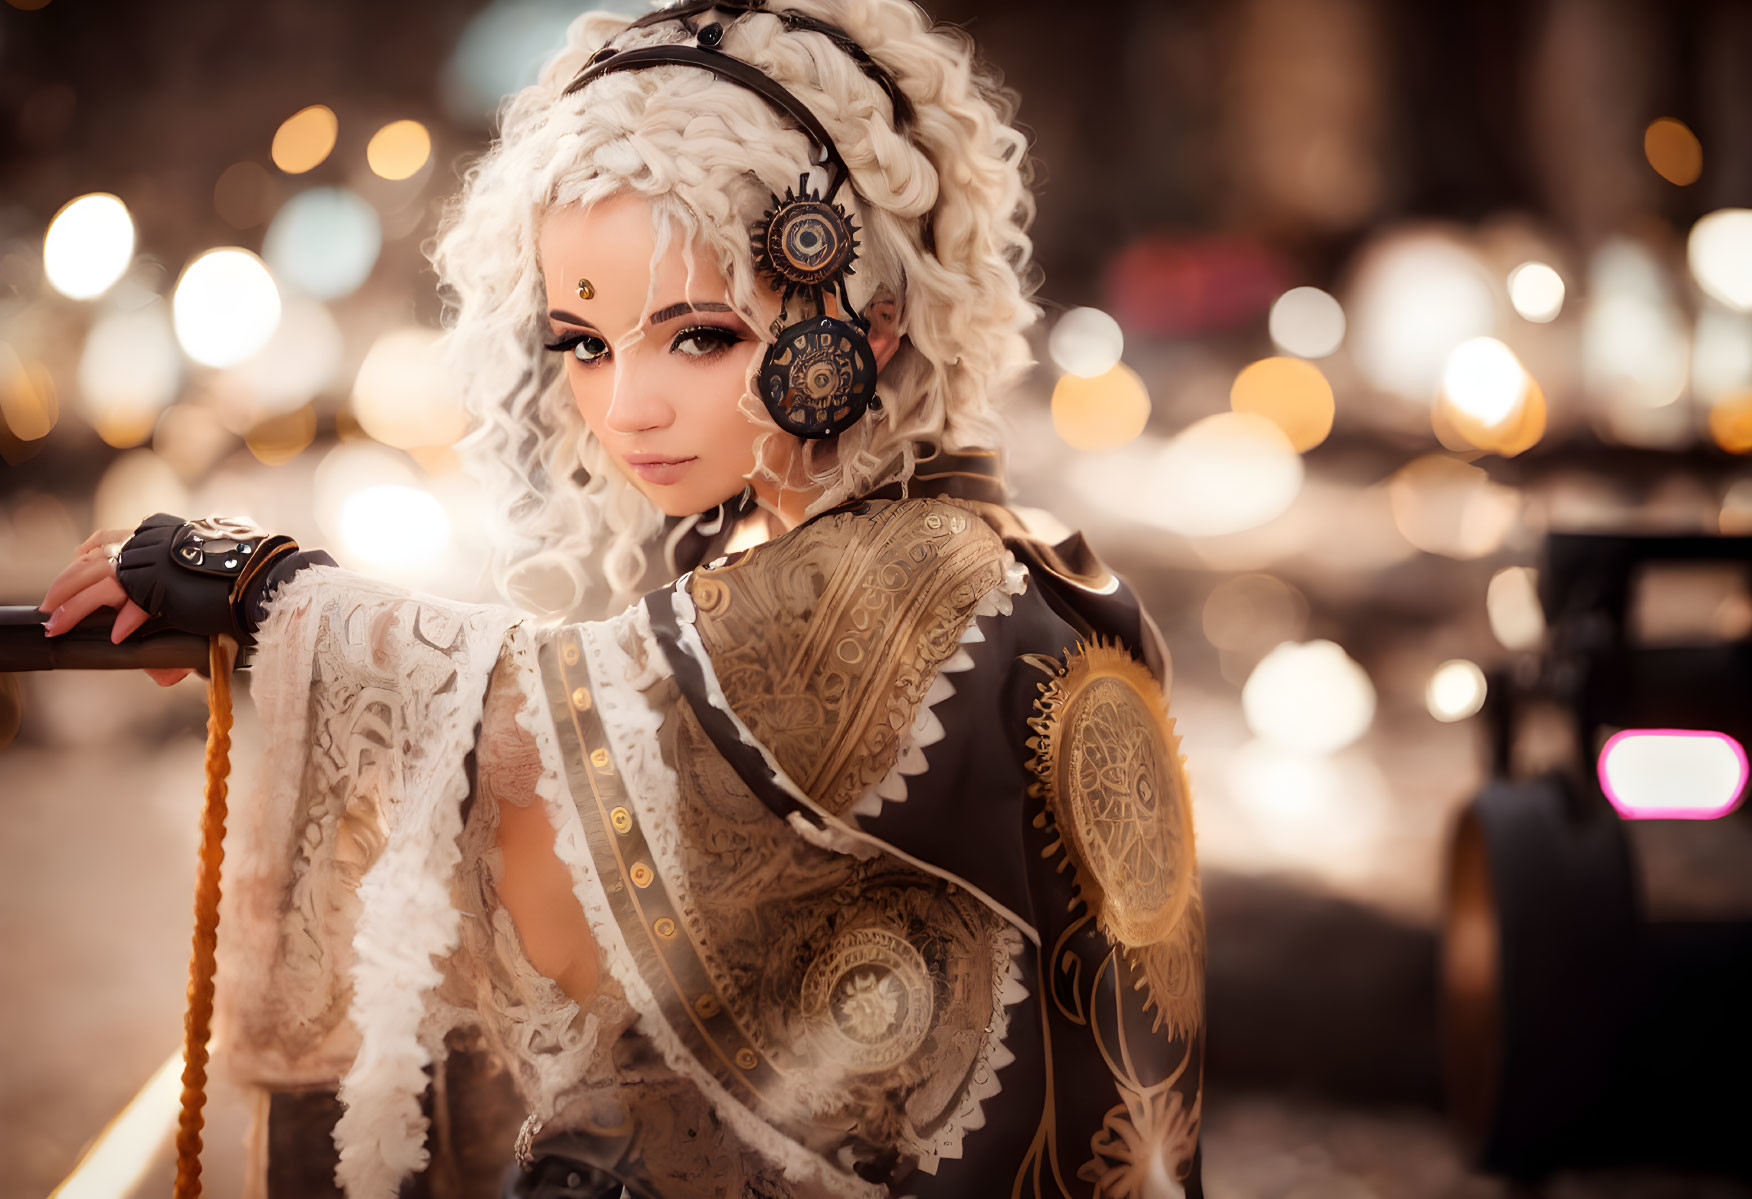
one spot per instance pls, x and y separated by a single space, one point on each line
1350 303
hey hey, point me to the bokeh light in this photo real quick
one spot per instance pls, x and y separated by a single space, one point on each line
403 396
1520 432
1720 253
1086 342
1310 698
1417 296
1456 690
324 241
1324 814
279 439
1485 381
1307 322
1102 413
503 47
1673 150
137 484
225 307
1289 392
305 139
301 360
1224 474
1537 291
394 527
351 467
88 246
1250 613
399 149
128 371
192 439
1445 506
29 408
1512 605
1730 422
1721 354
1635 347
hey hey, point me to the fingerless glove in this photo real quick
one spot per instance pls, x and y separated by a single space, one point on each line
208 576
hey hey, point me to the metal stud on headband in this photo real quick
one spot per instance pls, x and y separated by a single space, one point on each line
819 376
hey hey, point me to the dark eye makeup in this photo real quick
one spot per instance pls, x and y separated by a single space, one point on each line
707 342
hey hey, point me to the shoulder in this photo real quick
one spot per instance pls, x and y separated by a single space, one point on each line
826 640
887 552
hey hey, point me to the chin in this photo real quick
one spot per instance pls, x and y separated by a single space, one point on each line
689 501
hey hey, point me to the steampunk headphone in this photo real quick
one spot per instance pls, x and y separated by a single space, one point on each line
819 376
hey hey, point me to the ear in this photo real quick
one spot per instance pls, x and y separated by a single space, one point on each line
883 313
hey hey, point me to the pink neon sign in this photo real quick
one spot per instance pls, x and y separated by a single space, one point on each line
1673 774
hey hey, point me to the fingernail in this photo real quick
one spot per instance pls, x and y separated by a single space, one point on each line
52 625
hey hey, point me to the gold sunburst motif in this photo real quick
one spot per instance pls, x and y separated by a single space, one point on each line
1107 763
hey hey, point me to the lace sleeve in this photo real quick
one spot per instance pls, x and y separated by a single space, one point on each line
343 860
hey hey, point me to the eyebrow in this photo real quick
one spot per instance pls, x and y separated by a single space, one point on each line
675 310
657 318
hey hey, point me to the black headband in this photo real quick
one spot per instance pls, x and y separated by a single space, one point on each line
725 67
793 21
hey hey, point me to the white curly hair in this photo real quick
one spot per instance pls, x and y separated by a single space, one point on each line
709 155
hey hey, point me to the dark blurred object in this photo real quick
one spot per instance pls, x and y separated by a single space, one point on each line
86 646
1583 1024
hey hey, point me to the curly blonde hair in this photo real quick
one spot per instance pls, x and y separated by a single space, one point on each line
709 156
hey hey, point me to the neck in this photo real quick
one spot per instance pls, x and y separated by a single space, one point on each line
785 506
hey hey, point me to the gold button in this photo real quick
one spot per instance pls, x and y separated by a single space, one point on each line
622 820
746 1059
599 759
641 875
707 1006
570 655
665 927
581 699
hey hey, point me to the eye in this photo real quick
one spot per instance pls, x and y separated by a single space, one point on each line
585 347
705 341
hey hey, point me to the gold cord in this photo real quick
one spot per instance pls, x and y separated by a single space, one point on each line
198 1023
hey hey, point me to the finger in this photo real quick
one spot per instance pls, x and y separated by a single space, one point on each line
130 618
76 578
169 677
106 593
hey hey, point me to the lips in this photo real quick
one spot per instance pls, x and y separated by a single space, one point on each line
659 468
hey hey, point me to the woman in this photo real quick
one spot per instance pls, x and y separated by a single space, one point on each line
855 857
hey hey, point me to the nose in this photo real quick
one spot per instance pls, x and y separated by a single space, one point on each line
636 405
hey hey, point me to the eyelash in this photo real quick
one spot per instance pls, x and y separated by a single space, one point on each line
715 336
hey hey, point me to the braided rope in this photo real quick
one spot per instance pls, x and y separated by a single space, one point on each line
198 1023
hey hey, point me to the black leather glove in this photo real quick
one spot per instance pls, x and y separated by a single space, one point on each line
206 576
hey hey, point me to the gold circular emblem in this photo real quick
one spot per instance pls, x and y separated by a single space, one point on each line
1172 973
570 655
622 820
665 927
599 759
1109 765
867 1000
745 1058
707 1006
581 699
642 875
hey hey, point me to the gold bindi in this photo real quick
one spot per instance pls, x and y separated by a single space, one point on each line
586 290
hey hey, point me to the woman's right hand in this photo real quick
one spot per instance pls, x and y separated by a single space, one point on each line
89 583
